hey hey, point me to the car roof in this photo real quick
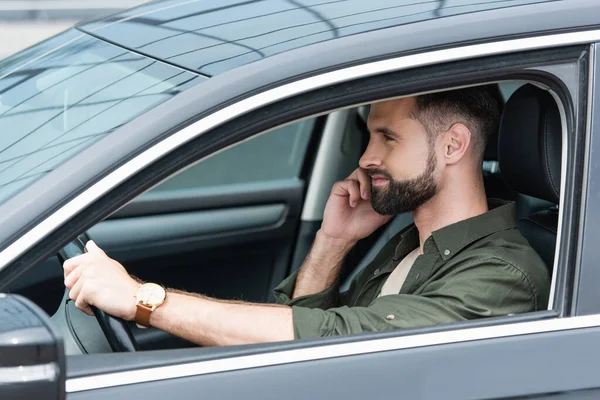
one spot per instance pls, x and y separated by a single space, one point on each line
214 36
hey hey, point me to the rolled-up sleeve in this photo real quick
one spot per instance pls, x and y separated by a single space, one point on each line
492 288
326 299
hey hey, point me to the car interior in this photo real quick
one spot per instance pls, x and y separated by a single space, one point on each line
234 225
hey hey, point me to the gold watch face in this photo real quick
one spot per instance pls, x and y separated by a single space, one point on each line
151 294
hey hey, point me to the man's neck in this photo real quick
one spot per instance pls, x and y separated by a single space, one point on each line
447 207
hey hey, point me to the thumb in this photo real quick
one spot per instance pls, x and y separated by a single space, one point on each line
92 247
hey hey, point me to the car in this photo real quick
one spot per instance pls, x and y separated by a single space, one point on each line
197 142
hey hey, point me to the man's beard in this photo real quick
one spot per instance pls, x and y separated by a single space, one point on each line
398 197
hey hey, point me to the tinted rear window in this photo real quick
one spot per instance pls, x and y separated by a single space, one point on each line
59 103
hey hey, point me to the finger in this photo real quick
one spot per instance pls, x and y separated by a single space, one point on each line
83 305
73 278
364 181
92 247
351 187
72 263
88 311
76 290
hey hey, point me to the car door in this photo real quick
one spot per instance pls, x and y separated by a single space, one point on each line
538 354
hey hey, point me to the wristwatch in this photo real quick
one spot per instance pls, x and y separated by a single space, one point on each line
149 296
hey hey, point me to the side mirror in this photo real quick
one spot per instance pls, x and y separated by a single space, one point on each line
32 358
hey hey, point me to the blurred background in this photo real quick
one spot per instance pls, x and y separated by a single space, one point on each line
25 22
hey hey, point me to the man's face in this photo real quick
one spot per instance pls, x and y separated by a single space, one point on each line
400 159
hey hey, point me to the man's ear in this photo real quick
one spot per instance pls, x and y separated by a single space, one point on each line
456 143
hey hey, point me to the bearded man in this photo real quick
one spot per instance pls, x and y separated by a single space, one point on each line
463 258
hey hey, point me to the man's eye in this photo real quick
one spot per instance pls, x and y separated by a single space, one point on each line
388 138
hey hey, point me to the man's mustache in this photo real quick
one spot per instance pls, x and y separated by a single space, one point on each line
381 172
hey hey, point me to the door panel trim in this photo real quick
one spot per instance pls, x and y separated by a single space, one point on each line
125 171
329 351
287 191
133 232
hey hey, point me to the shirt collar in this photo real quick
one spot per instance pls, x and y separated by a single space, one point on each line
451 239
407 242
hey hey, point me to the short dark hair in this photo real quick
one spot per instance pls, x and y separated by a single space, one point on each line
478 108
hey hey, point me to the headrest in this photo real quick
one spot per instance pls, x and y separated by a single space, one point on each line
491 149
529 143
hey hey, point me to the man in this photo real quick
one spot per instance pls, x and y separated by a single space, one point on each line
462 259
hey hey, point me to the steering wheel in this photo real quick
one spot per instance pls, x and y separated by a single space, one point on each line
117 332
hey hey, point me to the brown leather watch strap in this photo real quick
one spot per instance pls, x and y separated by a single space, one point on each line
142 315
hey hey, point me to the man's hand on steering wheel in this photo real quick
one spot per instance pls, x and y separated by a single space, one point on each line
94 279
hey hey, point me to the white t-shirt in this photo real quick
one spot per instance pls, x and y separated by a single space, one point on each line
394 282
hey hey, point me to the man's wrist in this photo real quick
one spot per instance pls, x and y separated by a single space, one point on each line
341 245
144 307
322 265
159 318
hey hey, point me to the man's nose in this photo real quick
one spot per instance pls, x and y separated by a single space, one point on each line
370 158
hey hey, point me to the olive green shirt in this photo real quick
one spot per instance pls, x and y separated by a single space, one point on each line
478 267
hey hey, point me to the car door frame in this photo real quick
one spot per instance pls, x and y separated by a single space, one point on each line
506 328
503 329
588 278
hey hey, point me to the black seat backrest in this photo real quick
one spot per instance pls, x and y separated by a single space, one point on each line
529 152
540 231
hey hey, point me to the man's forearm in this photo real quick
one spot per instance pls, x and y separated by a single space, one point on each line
322 265
211 322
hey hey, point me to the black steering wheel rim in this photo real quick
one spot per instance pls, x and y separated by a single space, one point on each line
117 332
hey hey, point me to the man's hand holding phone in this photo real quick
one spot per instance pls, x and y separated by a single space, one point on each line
349 215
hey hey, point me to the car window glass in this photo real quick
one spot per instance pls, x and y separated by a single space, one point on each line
63 102
508 88
277 154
